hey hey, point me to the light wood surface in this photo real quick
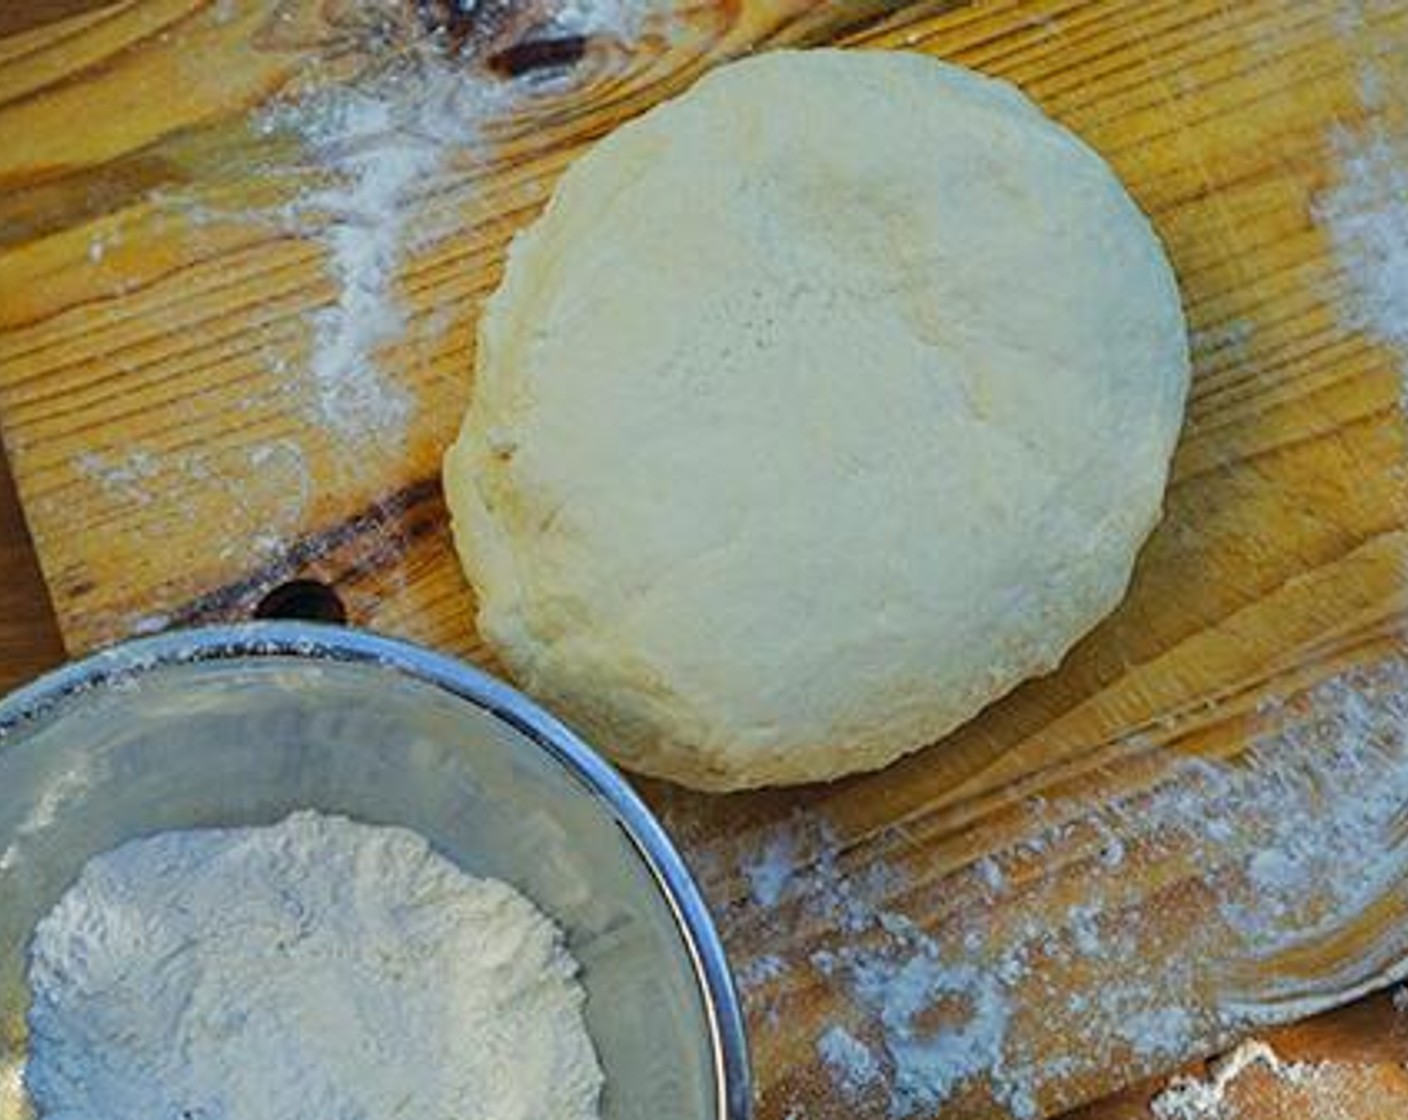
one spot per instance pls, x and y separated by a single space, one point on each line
1367 1040
143 382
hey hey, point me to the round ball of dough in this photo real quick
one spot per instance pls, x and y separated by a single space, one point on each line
822 406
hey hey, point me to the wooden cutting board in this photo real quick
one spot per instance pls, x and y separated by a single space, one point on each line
1190 829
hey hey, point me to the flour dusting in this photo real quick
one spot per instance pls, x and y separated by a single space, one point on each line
1365 215
263 490
1255 1075
122 476
379 146
1188 1098
383 146
1283 847
768 874
758 971
1316 816
390 119
853 1067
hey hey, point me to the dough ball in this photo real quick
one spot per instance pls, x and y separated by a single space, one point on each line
822 406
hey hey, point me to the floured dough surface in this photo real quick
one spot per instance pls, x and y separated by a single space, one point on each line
822 406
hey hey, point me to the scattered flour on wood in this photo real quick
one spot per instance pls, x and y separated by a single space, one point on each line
1156 1031
379 146
1254 1074
1366 216
382 175
1286 846
124 477
262 491
1365 213
757 971
767 875
991 875
382 147
621 19
850 1061
1315 820
1188 1098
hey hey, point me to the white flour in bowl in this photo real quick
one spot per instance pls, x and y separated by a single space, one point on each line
317 967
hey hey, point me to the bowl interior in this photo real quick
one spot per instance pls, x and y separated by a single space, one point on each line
240 742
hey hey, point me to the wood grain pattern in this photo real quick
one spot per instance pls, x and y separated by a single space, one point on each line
1366 1041
1356 1057
156 411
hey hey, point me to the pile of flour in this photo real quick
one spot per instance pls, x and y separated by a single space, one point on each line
317 967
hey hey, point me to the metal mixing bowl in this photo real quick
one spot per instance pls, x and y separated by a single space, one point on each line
242 725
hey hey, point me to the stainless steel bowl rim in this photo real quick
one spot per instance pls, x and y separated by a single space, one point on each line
321 642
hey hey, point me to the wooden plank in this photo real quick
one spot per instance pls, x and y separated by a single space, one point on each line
1346 1065
1040 873
1356 1053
